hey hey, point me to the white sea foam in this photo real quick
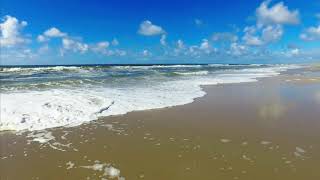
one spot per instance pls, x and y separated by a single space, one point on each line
41 137
193 73
225 140
37 110
108 170
38 69
70 165
111 172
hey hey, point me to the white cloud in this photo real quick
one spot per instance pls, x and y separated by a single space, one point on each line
120 52
19 53
311 34
74 45
10 32
101 47
51 33
237 49
204 46
258 36
42 38
250 38
163 40
54 32
276 14
269 25
272 33
146 53
148 29
180 44
103 44
11 36
295 51
224 36
291 52
203 49
26 53
180 48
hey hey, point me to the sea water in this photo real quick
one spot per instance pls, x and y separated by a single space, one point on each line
41 97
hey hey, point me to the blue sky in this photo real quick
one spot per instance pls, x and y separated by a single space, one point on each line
119 31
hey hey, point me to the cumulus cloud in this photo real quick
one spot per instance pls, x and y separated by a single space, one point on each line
104 48
294 52
11 36
101 47
224 37
11 32
17 54
119 52
180 44
276 14
250 38
311 34
69 44
179 48
269 25
204 46
148 29
291 50
146 53
272 33
163 40
51 33
42 38
261 36
54 32
237 49
203 49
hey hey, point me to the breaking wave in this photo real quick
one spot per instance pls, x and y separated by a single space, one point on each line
66 99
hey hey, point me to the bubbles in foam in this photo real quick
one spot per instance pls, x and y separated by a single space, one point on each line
108 170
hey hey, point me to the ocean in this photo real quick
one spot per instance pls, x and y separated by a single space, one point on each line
41 97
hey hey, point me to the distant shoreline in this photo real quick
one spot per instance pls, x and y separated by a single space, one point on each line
173 64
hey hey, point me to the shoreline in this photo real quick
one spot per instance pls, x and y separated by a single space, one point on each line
260 130
202 87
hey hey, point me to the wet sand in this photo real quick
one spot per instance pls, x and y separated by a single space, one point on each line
262 130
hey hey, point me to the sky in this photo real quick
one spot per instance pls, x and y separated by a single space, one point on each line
149 31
